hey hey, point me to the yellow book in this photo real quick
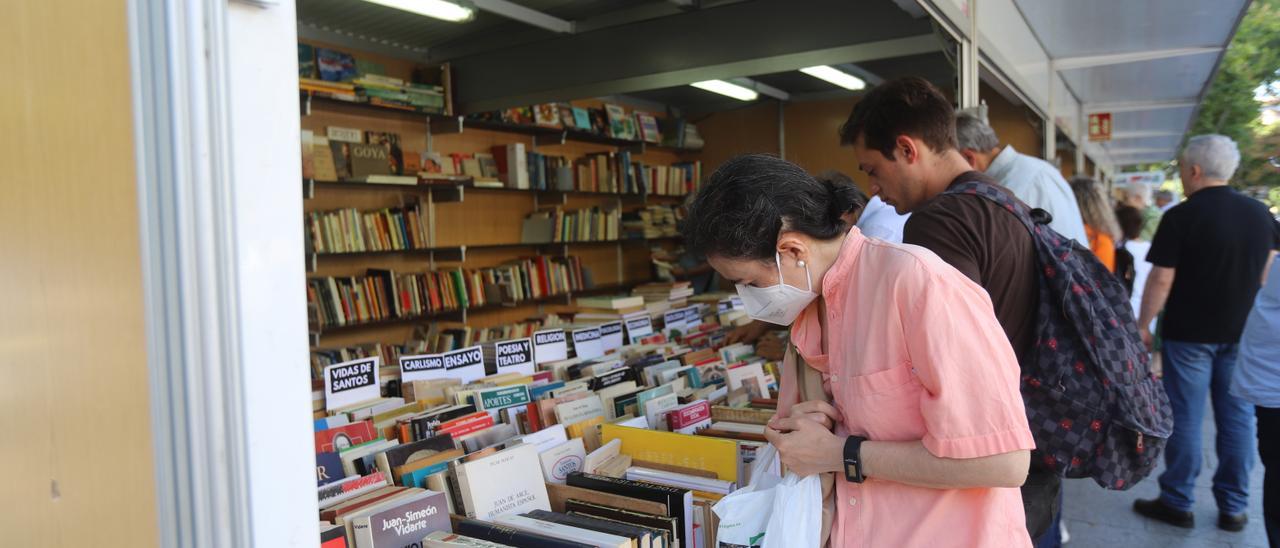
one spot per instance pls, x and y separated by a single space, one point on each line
588 430
699 452
390 415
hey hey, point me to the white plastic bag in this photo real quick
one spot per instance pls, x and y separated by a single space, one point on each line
771 511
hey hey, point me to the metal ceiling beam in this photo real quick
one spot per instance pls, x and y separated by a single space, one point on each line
1138 106
761 88
631 58
514 11
1088 61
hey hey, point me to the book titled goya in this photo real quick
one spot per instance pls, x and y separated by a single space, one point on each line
501 483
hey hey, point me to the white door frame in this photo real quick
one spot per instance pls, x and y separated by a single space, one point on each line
216 129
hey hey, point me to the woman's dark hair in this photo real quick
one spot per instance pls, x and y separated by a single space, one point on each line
746 203
1131 221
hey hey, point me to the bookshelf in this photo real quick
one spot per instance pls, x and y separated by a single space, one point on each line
476 226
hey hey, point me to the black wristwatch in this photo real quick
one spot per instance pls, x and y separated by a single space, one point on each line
853 459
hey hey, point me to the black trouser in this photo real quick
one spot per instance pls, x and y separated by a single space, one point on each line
1269 450
1040 500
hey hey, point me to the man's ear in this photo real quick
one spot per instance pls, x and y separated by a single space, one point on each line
970 156
908 148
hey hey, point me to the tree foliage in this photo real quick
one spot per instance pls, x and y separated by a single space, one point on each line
1229 108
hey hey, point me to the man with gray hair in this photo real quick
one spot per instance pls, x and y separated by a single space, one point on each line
1165 200
1208 255
1034 181
1135 195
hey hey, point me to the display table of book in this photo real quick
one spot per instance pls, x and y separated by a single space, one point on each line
621 429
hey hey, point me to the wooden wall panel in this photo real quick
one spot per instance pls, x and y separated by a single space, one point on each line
1014 124
812 137
728 134
75 401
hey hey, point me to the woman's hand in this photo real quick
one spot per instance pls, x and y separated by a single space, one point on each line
804 445
817 411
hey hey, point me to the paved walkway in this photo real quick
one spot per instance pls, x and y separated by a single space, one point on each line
1099 518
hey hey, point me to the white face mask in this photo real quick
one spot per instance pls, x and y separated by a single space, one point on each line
777 304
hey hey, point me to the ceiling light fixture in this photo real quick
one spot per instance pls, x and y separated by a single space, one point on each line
440 9
725 88
836 76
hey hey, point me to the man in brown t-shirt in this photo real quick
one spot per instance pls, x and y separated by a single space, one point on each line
903 133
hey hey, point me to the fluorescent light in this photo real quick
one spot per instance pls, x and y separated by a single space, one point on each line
439 9
725 88
836 76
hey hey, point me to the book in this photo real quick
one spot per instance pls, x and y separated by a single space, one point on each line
562 460
547 115
368 160
323 168
581 119
328 468
666 525
306 61
551 529
442 539
677 479
700 453
679 501
332 536
342 437
600 455
502 483
334 65
641 537
308 155
349 487
611 302
648 125
340 151
621 126
566 116
510 536
562 495
690 418
403 524
408 453
579 410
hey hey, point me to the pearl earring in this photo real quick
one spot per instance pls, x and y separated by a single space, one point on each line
800 263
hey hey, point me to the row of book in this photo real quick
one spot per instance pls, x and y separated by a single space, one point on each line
350 230
339 75
561 439
382 294
584 225
651 222
610 120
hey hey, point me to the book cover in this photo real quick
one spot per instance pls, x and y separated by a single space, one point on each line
409 453
581 119
562 460
666 525
367 159
700 453
562 495
332 536
509 536
621 126
334 65
599 121
441 539
340 151
551 529
547 115
406 524
342 437
501 483
640 536
322 159
306 61
648 125
308 156
579 410
328 468
566 116
391 142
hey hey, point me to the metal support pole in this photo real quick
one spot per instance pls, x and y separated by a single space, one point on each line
969 61
1081 138
1050 126
782 130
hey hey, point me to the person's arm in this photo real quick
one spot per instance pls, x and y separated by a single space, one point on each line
1154 295
808 447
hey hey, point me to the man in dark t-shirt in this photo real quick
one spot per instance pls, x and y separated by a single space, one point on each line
1209 254
903 133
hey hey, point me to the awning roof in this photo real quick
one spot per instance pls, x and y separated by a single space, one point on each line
1148 62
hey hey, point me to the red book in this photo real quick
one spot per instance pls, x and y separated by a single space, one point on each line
689 415
347 435
466 424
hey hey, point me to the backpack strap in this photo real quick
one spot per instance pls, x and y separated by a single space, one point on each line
990 191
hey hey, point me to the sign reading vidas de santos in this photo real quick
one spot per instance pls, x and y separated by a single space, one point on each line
586 343
466 364
351 382
550 345
514 356
423 367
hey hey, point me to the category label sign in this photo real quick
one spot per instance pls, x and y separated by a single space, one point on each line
639 326
586 343
611 336
673 320
466 364
692 317
422 367
514 356
550 345
351 382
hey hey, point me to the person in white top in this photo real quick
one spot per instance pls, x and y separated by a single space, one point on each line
873 217
1034 181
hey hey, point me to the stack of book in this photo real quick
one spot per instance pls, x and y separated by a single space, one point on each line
343 91
655 221
391 92
660 297
571 437
351 230
383 294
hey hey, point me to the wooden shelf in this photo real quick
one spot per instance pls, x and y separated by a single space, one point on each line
451 190
566 297
310 100
463 248
544 135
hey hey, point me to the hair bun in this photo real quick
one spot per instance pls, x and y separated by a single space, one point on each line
843 195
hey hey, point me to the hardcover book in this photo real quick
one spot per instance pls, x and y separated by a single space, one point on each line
621 126
367 160
562 460
404 524
341 153
509 536
342 437
679 501
551 529
335 66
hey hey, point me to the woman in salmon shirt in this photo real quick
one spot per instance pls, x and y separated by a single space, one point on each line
926 429
1099 220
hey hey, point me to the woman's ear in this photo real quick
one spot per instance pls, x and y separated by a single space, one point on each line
792 248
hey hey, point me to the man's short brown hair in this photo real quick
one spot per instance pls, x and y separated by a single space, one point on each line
905 106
